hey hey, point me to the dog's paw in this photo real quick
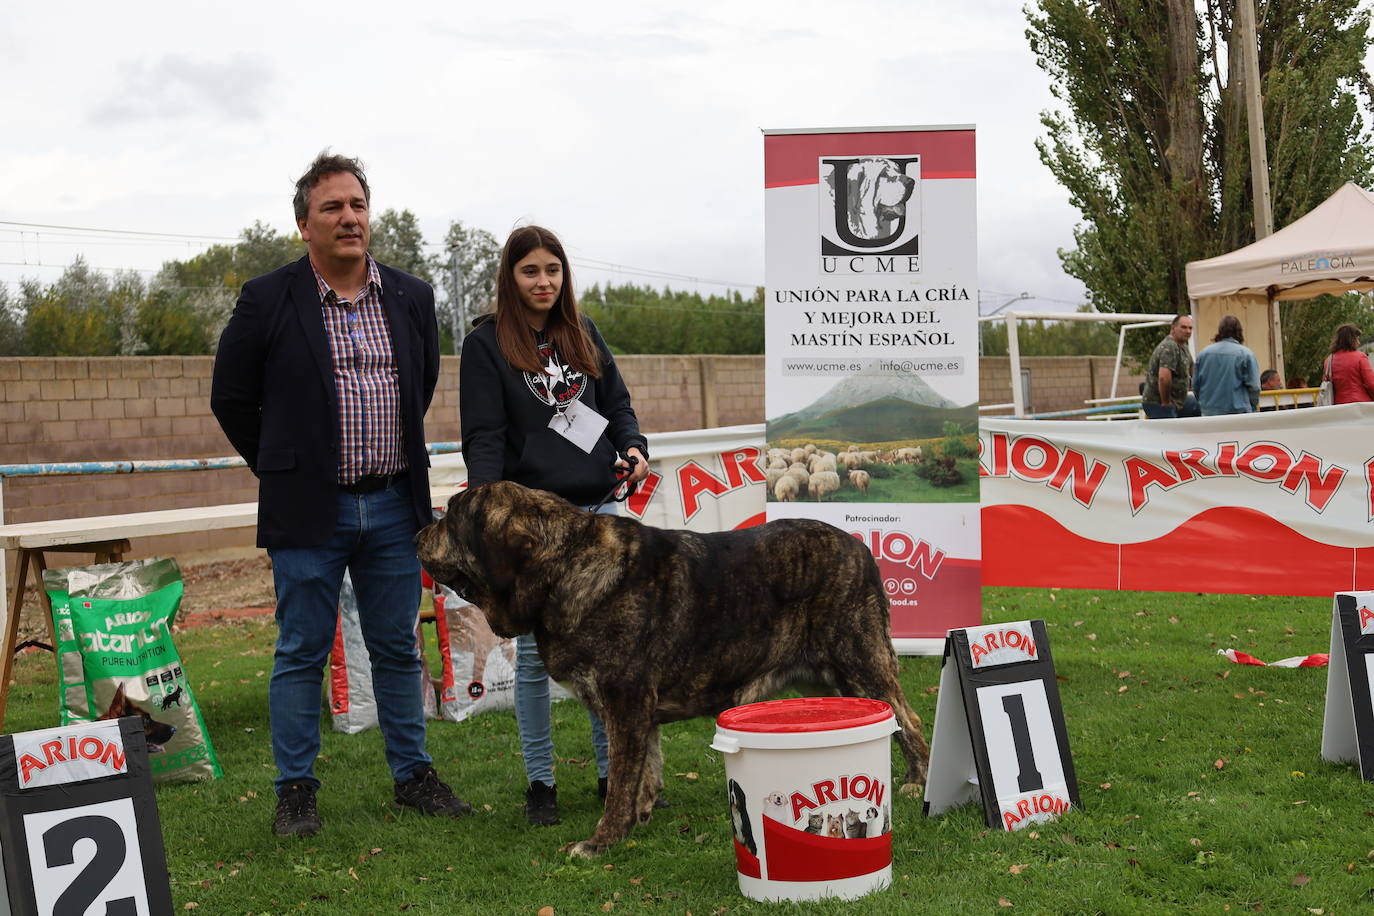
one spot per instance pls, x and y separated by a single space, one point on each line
912 790
584 850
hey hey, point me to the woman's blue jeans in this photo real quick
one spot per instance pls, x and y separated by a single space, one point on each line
532 714
374 540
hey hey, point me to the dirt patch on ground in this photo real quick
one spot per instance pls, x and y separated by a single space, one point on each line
210 591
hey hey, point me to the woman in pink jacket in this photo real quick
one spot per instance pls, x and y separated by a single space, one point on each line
1352 378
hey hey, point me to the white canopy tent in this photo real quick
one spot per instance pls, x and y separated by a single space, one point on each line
1329 250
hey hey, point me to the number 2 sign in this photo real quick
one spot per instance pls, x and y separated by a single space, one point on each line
79 832
999 728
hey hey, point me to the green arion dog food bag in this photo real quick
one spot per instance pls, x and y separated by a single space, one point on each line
115 658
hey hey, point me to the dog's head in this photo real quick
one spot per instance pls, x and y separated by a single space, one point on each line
489 542
878 192
155 733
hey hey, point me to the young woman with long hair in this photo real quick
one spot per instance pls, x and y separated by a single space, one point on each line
543 404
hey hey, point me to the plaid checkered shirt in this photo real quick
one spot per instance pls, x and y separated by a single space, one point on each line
365 377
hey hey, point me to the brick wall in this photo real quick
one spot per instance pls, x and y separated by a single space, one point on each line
1056 382
77 409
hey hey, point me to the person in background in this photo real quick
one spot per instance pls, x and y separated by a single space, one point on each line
1227 374
1352 378
321 383
1270 380
542 403
1166 380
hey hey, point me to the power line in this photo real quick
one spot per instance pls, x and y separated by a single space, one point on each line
113 270
170 235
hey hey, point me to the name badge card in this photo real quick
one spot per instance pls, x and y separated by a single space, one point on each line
79 831
1348 724
579 424
999 728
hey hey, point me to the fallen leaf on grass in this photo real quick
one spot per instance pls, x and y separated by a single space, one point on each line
1195 841
1299 880
703 837
545 911
1105 785
1219 763
607 906
1017 869
1122 689
1003 901
689 775
190 905
1123 674
608 867
1092 636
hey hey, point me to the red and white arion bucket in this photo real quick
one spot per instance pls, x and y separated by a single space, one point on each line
809 782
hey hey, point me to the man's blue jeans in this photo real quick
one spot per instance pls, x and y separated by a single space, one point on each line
374 540
532 714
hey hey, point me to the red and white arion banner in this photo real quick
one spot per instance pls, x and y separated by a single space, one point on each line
1275 503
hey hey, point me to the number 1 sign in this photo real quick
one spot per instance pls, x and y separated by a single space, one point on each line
79 831
999 728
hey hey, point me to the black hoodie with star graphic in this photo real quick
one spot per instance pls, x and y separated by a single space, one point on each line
505 415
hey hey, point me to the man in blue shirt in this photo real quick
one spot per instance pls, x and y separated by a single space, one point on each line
1227 374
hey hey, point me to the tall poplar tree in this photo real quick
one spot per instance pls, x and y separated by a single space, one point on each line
1151 136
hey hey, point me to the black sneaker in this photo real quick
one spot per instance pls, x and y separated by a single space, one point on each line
601 782
541 804
426 794
296 814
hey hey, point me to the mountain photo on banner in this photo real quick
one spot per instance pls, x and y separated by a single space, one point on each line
886 437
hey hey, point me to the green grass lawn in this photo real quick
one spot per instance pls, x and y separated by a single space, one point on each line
1202 786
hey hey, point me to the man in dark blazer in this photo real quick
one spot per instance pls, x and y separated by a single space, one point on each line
321 383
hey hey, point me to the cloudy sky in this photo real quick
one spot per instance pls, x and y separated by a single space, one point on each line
633 129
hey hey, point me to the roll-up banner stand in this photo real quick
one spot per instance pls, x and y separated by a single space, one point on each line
999 728
1348 725
79 830
871 342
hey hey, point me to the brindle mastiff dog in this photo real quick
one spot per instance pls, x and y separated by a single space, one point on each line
648 626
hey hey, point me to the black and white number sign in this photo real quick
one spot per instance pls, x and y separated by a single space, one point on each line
999 728
79 832
1348 725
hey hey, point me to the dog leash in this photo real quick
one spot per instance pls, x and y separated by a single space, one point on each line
620 481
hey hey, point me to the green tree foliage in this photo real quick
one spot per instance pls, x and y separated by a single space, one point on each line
478 255
638 319
170 324
11 324
77 315
206 286
1052 338
1153 144
1309 326
398 242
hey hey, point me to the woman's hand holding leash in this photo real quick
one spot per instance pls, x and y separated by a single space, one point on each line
637 462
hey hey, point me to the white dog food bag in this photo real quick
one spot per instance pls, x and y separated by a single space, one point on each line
478 666
351 702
